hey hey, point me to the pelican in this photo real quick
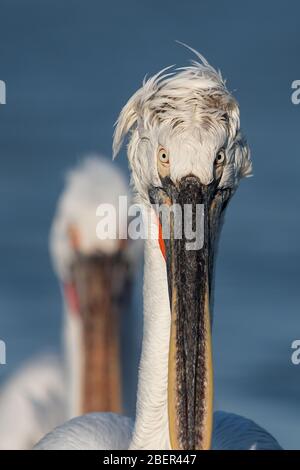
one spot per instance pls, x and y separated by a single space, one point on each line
95 276
185 148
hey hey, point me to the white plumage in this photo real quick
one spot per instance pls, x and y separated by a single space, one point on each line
107 431
46 391
32 402
93 431
234 432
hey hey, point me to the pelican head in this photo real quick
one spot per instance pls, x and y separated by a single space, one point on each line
95 273
186 148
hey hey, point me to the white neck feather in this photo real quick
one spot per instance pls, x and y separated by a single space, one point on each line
151 426
73 361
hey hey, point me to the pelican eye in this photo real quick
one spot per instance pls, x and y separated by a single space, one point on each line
163 156
220 158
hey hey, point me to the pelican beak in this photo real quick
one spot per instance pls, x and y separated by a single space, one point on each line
189 272
100 282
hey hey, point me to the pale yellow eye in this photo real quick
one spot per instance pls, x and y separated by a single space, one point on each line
220 158
163 156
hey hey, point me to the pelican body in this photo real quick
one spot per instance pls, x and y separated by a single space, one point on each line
95 278
185 150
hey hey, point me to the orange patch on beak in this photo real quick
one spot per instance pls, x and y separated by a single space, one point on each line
71 297
161 241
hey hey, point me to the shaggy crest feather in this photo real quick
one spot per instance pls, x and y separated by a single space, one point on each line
190 109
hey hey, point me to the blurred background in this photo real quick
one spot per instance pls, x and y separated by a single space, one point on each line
69 67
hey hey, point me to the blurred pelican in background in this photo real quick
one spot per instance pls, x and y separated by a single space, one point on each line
95 276
185 148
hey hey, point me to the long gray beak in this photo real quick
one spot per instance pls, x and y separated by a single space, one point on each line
190 273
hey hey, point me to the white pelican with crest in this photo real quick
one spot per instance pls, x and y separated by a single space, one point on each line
96 276
185 148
